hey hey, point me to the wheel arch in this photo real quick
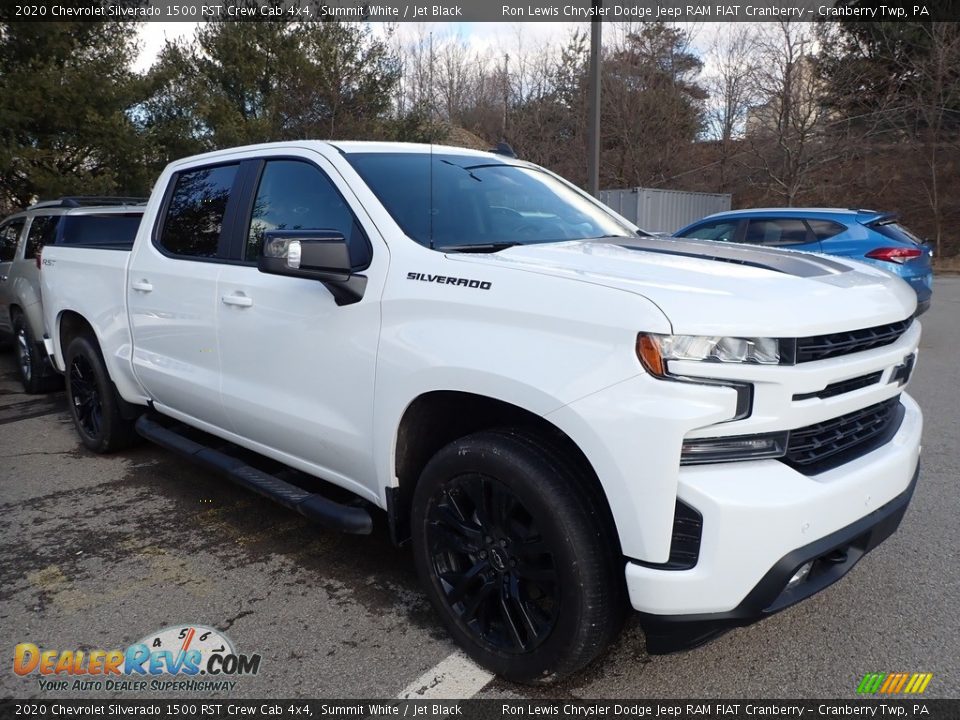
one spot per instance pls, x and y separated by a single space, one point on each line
71 324
438 417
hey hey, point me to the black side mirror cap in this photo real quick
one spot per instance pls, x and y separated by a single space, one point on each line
321 255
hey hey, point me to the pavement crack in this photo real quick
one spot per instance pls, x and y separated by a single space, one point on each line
229 622
39 452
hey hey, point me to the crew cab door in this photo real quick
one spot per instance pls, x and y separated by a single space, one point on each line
172 293
297 368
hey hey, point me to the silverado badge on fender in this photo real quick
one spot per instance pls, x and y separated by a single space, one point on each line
447 280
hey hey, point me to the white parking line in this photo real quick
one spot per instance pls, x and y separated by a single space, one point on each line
456 677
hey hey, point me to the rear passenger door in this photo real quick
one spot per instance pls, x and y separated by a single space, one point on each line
23 281
784 232
10 233
172 293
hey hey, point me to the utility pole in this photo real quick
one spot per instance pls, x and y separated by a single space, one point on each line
593 99
506 96
432 89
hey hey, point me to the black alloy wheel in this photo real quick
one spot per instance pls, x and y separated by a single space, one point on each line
104 423
85 396
517 550
498 575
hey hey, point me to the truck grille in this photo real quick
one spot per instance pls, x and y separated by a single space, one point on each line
816 448
821 347
842 387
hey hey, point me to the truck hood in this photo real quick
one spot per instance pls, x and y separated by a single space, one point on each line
711 288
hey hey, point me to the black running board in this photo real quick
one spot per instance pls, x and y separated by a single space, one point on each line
315 507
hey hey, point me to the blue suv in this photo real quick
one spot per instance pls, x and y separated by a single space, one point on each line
866 235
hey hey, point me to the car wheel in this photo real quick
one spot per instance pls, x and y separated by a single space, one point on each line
93 400
35 376
518 555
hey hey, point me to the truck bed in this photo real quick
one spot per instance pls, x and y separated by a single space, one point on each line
91 282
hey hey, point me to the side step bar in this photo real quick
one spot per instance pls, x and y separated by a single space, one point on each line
315 507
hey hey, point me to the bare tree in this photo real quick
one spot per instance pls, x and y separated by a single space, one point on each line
935 97
453 77
731 66
786 132
652 105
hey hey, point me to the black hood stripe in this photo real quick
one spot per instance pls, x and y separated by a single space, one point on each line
797 264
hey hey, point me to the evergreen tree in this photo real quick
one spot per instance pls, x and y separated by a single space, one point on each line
66 91
248 82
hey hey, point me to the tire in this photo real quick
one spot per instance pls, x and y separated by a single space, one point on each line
93 400
518 555
35 376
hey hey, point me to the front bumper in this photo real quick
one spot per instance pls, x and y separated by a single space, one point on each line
832 557
762 521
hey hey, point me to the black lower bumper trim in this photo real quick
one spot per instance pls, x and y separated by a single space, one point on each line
832 556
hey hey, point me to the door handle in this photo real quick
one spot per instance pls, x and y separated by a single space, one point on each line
141 286
237 299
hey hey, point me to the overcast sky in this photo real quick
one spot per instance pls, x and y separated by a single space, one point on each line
480 36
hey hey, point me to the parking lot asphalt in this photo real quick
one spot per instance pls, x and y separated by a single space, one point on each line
99 551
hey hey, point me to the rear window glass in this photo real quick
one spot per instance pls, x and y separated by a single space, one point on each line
9 235
110 230
895 231
825 229
776 231
43 231
197 207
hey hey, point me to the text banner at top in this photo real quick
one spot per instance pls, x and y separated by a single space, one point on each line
482 11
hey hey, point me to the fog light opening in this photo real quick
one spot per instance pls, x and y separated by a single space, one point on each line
800 575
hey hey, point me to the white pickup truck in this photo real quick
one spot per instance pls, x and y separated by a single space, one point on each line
561 414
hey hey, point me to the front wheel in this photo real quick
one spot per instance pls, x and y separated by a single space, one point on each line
518 555
93 399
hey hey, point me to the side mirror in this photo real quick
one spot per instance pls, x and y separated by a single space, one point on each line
313 255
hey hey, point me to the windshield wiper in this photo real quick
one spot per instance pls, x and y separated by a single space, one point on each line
461 167
478 247
616 237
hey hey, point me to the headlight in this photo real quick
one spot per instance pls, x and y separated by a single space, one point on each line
655 350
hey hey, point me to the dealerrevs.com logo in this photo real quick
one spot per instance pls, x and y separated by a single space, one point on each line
180 658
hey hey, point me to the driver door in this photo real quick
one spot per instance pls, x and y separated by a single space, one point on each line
298 369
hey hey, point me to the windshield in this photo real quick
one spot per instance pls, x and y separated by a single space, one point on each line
480 202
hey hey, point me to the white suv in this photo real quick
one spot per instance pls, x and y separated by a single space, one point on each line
105 222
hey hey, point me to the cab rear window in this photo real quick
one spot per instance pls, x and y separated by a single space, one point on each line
109 230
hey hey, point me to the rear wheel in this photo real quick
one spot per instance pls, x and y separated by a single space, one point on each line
93 400
518 556
35 375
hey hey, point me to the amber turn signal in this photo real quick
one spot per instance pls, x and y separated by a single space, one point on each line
649 353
